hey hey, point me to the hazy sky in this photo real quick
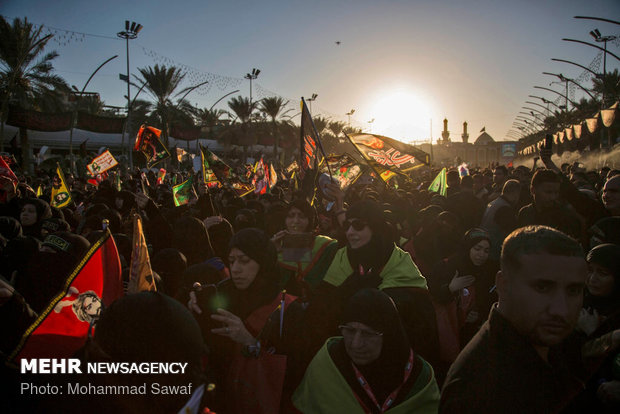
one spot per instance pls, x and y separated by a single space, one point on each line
402 63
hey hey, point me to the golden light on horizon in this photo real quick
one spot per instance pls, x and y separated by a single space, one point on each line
403 114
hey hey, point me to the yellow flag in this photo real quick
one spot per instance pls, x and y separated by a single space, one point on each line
387 174
140 273
39 191
61 197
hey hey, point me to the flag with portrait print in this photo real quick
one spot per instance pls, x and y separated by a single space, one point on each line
149 144
344 168
63 326
61 197
182 193
208 176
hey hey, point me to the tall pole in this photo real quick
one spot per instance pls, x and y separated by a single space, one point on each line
131 32
251 76
129 108
74 114
230 93
431 122
351 112
313 98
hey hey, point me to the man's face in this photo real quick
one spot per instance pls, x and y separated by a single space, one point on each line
611 195
545 194
543 298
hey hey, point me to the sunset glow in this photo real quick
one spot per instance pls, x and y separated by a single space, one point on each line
402 113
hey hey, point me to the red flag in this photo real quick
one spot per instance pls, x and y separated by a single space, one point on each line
7 175
148 143
161 175
62 328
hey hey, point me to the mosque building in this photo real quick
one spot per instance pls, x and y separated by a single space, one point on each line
483 152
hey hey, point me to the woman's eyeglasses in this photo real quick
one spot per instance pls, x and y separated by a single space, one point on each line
364 334
357 224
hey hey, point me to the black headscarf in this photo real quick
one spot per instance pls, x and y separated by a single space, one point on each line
607 256
47 272
606 230
10 228
43 211
471 238
149 326
307 210
255 244
192 239
170 264
375 254
376 309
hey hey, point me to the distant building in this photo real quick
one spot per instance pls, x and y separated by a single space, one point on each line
484 151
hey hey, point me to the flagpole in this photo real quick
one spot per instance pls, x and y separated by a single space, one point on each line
319 143
364 158
431 143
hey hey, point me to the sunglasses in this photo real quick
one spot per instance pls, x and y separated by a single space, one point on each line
349 331
357 224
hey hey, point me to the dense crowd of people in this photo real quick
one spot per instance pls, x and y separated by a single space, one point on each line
502 296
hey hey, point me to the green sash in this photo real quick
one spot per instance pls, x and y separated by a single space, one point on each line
324 389
399 271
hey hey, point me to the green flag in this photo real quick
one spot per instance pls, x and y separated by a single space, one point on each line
208 175
181 193
439 184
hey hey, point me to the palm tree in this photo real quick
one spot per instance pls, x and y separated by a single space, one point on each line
243 108
211 119
273 107
90 104
320 123
162 82
336 127
26 75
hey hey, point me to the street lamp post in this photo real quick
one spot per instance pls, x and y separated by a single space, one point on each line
314 96
251 77
558 93
131 32
534 110
73 119
596 75
229 93
351 112
565 79
370 124
542 106
562 79
548 102
602 39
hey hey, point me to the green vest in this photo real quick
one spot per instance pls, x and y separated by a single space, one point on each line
325 390
399 271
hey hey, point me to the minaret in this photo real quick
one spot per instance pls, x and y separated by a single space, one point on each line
445 134
465 135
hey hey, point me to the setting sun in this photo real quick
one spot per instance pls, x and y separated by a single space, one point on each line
402 114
